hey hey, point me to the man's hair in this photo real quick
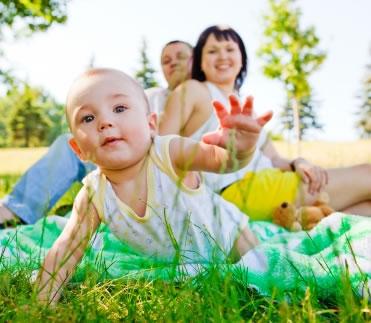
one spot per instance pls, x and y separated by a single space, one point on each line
176 41
220 33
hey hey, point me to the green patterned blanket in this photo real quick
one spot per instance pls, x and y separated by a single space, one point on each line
339 247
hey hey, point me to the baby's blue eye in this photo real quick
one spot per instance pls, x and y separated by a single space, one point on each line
120 108
88 118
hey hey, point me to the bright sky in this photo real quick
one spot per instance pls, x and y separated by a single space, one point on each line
111 32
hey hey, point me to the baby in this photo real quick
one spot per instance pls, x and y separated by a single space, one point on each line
147 188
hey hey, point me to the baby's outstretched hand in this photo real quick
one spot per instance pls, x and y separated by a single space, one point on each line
238 125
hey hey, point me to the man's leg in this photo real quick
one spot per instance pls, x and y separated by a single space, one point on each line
44 183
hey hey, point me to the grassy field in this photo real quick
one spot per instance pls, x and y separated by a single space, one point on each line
17 160
210 298
327 154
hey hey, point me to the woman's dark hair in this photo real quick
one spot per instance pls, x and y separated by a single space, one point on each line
220 33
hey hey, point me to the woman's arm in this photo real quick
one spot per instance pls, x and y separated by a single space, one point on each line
180 107
68 249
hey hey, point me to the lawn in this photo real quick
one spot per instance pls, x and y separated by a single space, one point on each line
327 154
211 297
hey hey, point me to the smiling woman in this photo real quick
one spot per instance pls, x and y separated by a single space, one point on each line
219 60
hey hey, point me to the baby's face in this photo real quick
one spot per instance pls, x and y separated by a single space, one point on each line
109 120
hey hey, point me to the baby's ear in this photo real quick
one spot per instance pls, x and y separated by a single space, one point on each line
152 122
75 147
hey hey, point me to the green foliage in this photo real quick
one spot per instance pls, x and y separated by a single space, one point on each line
290 52
307 115
364 122
23 17
29 117
7 181
146 74
27 124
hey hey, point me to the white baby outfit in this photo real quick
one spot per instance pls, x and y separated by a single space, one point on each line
195 225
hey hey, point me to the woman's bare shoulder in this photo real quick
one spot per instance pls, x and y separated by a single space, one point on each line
193 88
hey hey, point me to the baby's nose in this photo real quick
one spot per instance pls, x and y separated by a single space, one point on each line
105 124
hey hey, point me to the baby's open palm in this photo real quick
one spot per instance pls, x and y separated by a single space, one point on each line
238 125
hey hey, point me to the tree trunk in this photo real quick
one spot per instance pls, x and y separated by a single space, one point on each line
297 134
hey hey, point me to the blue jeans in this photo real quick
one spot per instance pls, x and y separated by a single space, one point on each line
46 181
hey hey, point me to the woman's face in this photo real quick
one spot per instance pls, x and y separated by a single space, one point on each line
221 61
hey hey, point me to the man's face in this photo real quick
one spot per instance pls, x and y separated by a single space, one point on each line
176 62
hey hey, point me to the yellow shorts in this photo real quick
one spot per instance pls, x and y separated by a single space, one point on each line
258 193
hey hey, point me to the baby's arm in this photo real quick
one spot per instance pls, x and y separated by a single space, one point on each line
227 149
68 249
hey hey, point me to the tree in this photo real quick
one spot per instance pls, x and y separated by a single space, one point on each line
23 17
32 118
145 75
3 125
55 116
307 115
364 122
290 54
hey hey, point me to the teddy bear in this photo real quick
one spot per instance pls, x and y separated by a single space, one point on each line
302 218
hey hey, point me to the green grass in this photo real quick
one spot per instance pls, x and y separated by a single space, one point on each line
207 298
7 181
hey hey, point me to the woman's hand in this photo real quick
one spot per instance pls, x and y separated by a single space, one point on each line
314 176
238 125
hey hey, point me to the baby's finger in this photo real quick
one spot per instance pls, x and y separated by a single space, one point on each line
220 110
264 118
235 104
248 106
211 138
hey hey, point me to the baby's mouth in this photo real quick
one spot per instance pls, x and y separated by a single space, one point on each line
110 140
